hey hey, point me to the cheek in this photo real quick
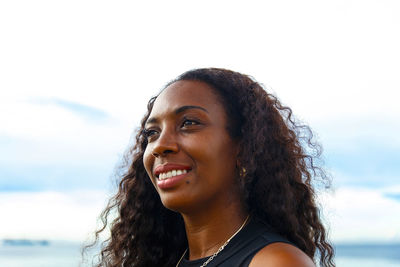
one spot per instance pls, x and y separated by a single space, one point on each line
218 156
148 161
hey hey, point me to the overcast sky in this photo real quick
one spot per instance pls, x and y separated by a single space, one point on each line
75 78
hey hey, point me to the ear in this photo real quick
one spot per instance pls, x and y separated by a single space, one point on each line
239 166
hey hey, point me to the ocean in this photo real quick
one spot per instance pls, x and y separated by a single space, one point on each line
367 255
67 254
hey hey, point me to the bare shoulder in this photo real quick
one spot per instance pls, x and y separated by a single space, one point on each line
282 255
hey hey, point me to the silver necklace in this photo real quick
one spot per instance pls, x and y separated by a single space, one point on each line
221 247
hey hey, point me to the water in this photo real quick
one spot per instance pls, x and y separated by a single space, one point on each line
368 255
56 254
66 254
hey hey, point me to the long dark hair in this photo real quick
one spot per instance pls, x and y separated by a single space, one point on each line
278 154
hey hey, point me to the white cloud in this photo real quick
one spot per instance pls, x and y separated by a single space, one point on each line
332 57
335 63
50 215
362 215
52 134
354 214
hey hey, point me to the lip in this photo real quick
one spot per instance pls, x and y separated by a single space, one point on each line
173 181
166 167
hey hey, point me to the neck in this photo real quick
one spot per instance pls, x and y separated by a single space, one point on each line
207 231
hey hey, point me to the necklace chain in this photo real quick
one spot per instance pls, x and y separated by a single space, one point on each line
220 248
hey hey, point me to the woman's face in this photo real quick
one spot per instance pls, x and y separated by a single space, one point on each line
190 157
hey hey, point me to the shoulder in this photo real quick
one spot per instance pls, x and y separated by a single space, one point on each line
281 254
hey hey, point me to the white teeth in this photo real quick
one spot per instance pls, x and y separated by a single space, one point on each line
166 175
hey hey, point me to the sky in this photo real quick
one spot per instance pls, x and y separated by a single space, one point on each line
75 78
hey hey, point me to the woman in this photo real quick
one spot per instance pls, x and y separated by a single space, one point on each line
219 176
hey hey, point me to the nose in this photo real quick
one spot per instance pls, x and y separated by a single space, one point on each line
165 144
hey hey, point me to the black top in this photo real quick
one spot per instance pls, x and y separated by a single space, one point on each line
241 249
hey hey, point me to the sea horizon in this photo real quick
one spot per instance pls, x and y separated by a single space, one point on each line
63 253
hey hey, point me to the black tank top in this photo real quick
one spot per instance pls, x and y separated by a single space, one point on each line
241 249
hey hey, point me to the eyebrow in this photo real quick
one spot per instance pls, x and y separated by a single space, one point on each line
177 111
183 108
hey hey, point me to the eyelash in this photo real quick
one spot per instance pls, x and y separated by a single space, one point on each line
192 121
148 133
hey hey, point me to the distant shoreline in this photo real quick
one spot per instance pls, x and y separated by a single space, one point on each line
25 242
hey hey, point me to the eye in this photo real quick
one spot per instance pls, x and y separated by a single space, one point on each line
149 133
189 122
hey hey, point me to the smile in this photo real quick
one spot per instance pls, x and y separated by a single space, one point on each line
170 174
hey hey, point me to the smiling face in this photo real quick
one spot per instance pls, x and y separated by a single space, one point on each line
190 157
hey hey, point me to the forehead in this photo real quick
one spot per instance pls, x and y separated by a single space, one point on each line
187 93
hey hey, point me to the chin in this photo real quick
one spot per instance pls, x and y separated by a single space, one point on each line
175 203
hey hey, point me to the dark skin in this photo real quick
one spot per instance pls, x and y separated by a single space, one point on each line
187 126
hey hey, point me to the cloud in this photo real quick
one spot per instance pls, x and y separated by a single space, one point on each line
50 215
395 196
86 159
57 176
95 74
85 111
361 150
357 214
353 214
368 162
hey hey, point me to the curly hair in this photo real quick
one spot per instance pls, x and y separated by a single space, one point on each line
278 154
